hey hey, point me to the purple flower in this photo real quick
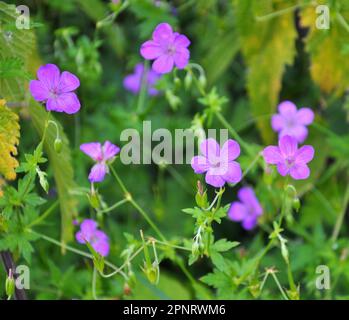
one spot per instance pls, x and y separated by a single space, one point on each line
56 89
133 82
100 154
289 159
247 210
292 122
218 163
168 48
96 238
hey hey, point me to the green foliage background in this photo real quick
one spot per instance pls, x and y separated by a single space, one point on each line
256 53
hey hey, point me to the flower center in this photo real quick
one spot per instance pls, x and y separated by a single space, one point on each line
290 123
171 49
290 162
54 93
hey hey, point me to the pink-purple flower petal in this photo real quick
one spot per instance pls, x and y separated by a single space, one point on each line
287 108
305 116
93 150
98 172
163 64
49 75
181 58
151 50
287 146
38 90
230 150
163 33
304 154
68 82
237 211
214 180
110 150
300 172
272 155
200 164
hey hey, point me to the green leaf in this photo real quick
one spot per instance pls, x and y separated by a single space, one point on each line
16 47
218 260
223 245
216 279
268 45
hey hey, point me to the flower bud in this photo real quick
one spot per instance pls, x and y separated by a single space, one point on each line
291 191
202 80
195 248
296 204
10 284
177 82
58 144
93 199
173 100
201 199
188 81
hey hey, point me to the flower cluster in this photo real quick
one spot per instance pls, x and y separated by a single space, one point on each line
291 124
220 168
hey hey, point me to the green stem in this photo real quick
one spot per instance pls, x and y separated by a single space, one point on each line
94 280
234 134
340 218
44 215
279 12
143 91
118 179
147 218
172 245
279 286
136 205
114 206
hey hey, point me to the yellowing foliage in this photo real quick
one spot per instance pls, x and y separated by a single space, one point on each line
9 139
328 48
268 45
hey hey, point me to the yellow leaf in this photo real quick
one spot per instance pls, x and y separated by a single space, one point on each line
9 139
329 59
268 45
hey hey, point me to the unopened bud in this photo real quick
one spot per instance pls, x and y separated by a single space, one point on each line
58 144
202 80
188 80
10 284
93 198
296 204
172 99
177 82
